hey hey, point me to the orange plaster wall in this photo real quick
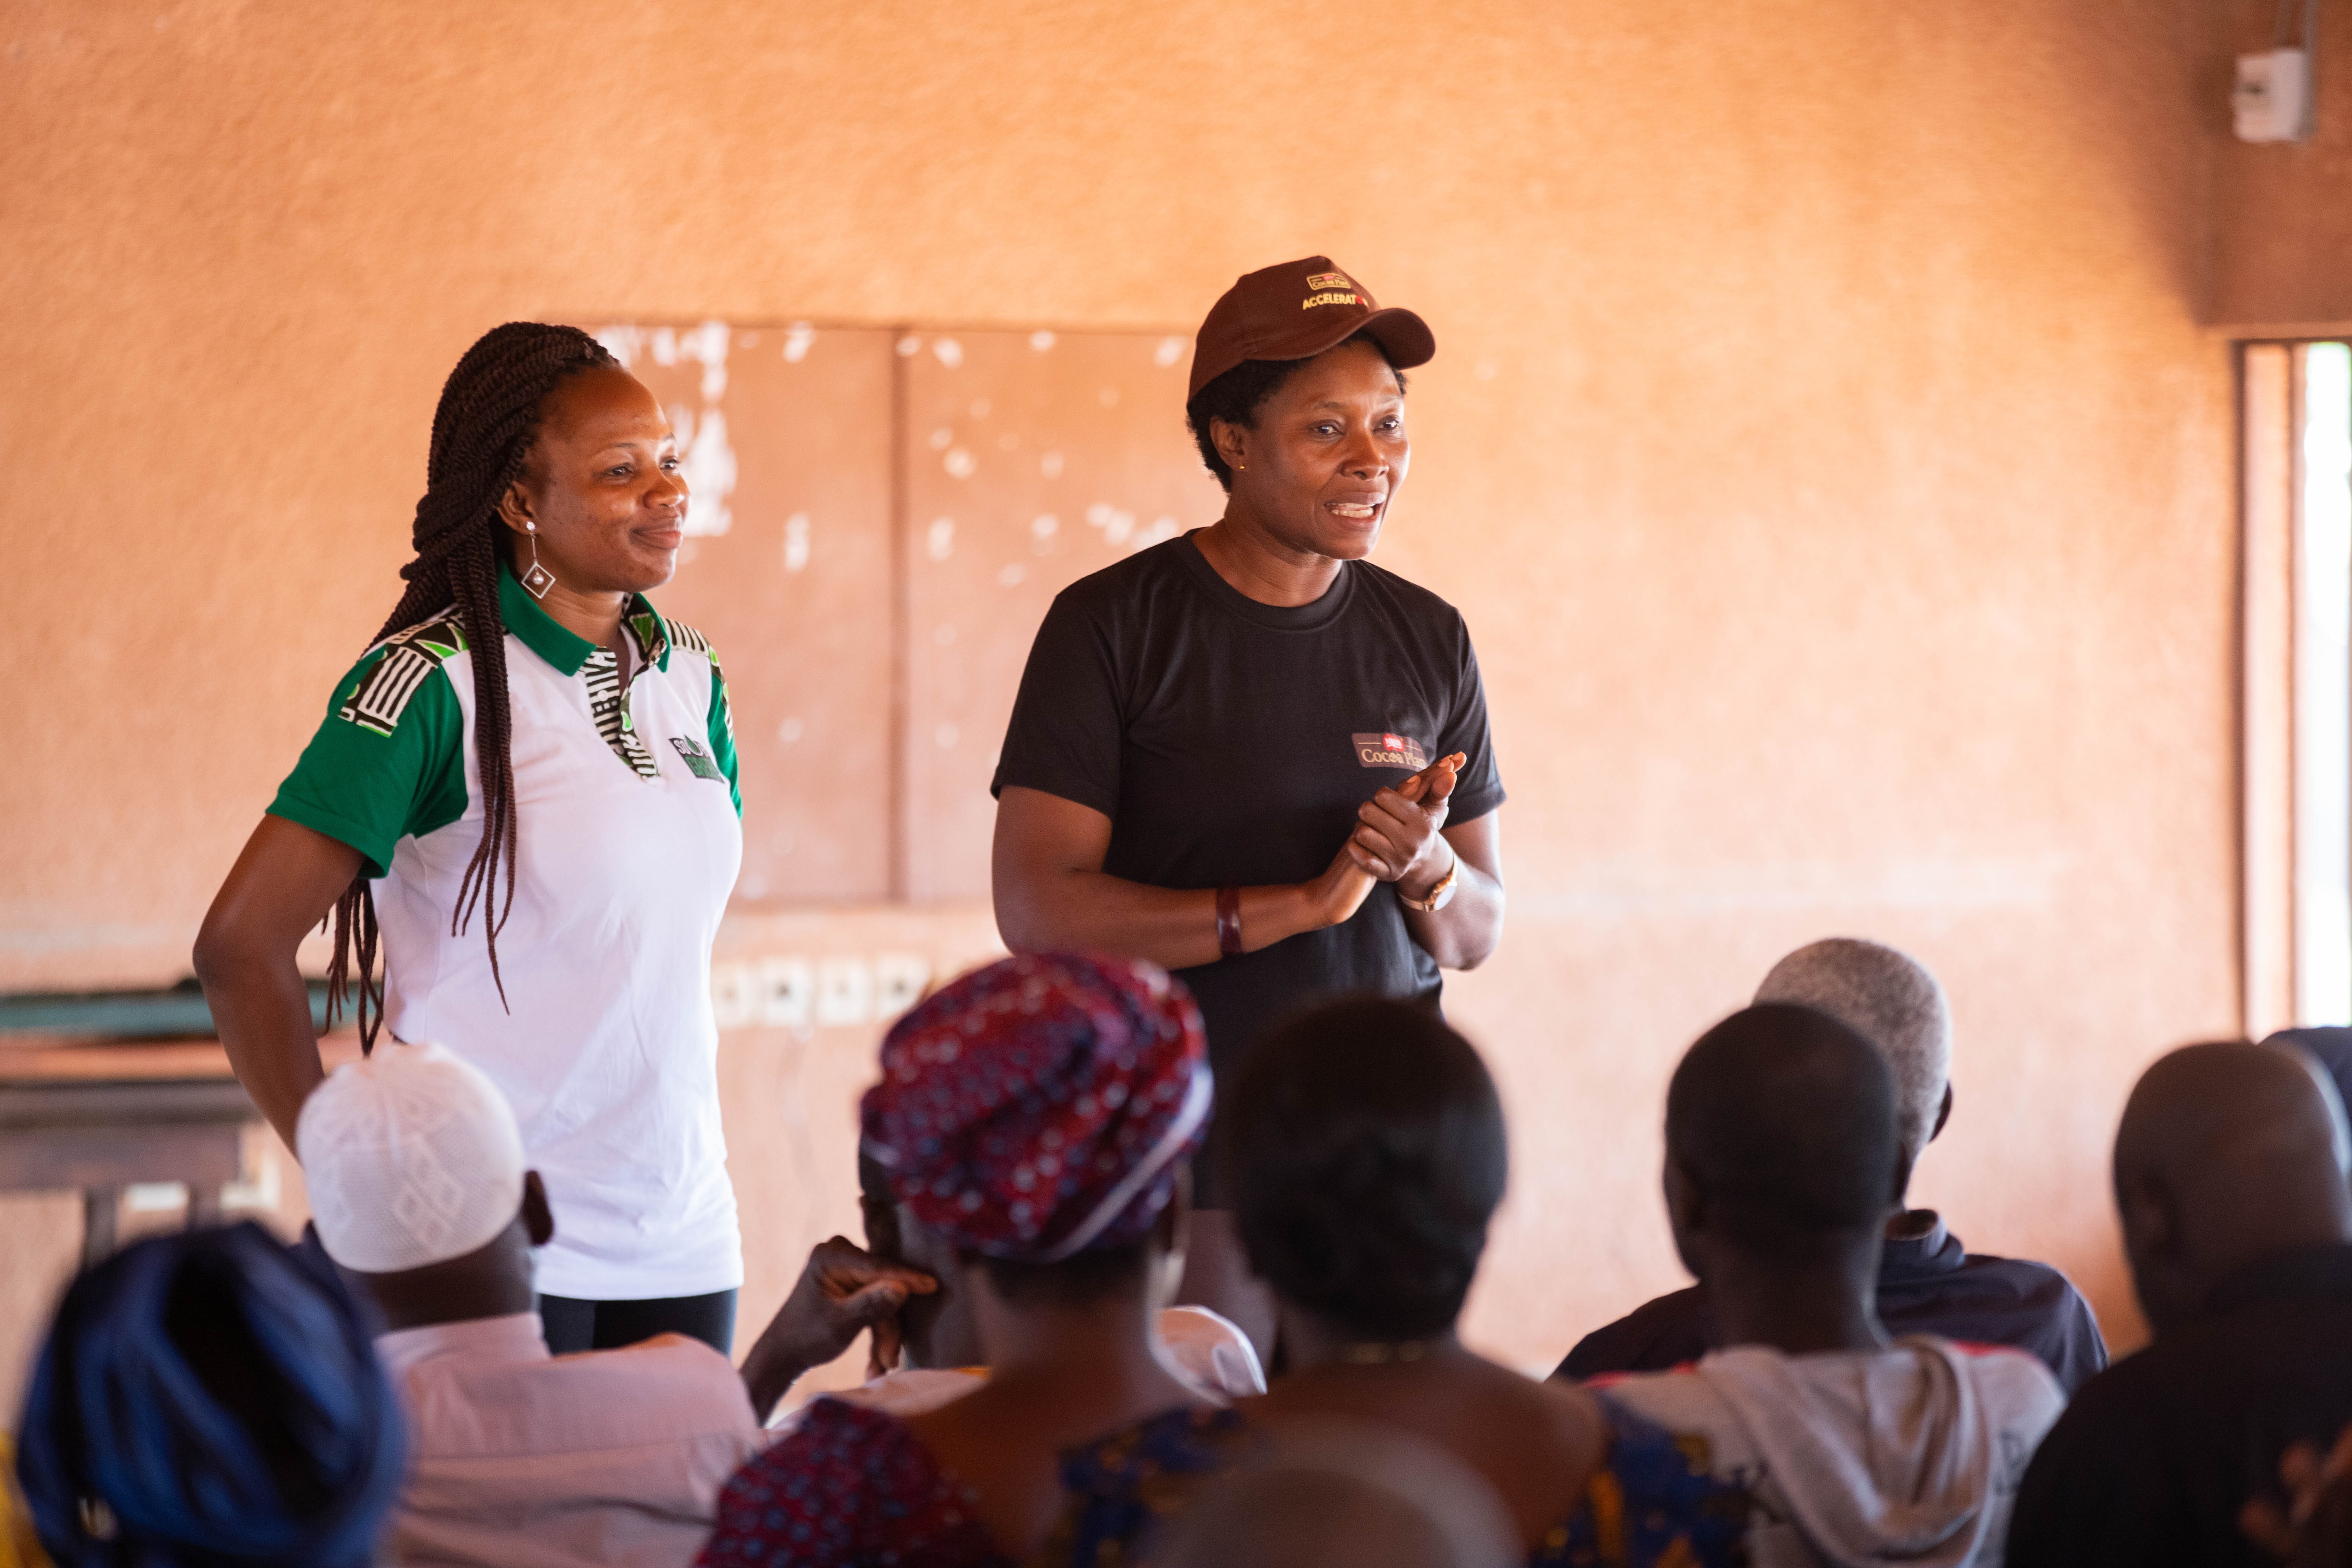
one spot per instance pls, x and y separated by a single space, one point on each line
1822 446
2283 211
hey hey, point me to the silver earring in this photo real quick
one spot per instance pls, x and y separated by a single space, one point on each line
539 579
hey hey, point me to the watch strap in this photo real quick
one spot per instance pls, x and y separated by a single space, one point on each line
1439 896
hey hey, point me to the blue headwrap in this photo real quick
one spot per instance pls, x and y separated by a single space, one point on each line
210 1397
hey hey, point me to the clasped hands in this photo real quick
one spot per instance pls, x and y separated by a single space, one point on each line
1397 839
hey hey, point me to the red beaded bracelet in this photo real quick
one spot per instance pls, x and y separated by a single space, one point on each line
1229 921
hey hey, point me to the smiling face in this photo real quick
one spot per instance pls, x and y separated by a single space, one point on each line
601 496
1318 465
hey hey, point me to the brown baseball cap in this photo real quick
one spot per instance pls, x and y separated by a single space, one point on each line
1296 311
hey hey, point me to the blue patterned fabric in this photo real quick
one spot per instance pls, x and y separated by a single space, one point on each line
1645 1507
210 1397
1116 1489
1650 1505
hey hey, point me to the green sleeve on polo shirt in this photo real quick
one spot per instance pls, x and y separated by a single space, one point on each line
390 761
723 733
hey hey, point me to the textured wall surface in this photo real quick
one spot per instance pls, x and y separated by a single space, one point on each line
2284 211
1823 447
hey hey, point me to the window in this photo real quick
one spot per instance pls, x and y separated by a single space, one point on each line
2295 569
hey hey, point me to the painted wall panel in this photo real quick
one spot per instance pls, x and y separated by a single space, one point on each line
1032 459
787 568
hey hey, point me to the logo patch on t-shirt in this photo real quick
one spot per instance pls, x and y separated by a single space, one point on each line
698 760
1383 749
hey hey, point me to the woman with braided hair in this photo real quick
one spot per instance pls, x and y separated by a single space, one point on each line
526 787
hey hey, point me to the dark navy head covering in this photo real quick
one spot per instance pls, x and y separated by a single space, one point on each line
211 1398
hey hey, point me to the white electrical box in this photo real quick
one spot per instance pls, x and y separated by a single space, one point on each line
2272 99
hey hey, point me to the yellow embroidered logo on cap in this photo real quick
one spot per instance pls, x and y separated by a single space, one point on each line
1343 298
1330 280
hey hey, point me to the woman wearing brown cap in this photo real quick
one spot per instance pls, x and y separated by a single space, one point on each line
1224 743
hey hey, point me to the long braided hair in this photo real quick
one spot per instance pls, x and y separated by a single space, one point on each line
483 431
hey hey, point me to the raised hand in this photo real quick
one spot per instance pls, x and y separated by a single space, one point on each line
843 1292
1397 839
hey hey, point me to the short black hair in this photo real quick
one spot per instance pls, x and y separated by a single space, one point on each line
1785 1118
1078 1281
1364 1149
1237 395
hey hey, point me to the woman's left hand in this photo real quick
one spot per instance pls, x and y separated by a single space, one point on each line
1397 837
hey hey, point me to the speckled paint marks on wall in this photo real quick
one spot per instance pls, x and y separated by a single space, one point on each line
1031 460
785 433
1024 460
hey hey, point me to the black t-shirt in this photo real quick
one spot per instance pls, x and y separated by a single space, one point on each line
2154 1459
1233 741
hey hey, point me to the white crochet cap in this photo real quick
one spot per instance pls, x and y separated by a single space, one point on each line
412 1157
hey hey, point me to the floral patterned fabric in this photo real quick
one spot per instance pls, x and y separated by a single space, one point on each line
851 1485
1650 1506
1042 1105
1644 1506
1116 1489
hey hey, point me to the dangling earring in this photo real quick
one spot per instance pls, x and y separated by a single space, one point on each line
539 579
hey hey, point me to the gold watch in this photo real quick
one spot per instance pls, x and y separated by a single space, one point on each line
1440 896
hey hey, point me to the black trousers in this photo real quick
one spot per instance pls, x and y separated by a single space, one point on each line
576 1325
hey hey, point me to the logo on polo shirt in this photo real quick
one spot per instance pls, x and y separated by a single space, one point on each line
698 760
1385 749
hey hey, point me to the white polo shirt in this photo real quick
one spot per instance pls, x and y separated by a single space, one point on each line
628 836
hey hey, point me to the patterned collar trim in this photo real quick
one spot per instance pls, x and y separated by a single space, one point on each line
650 630
565 649
608 703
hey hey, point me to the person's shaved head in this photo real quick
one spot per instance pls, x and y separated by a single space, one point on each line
1783 1120
1891 1000
2228 1153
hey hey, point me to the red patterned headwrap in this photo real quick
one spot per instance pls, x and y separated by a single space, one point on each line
1042 1105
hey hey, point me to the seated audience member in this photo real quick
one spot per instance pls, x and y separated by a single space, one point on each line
929 1351
1035 1118
417 1192
1782 1162
2229 1174
1364 1152
1343 1494
209 1397
1927 1282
